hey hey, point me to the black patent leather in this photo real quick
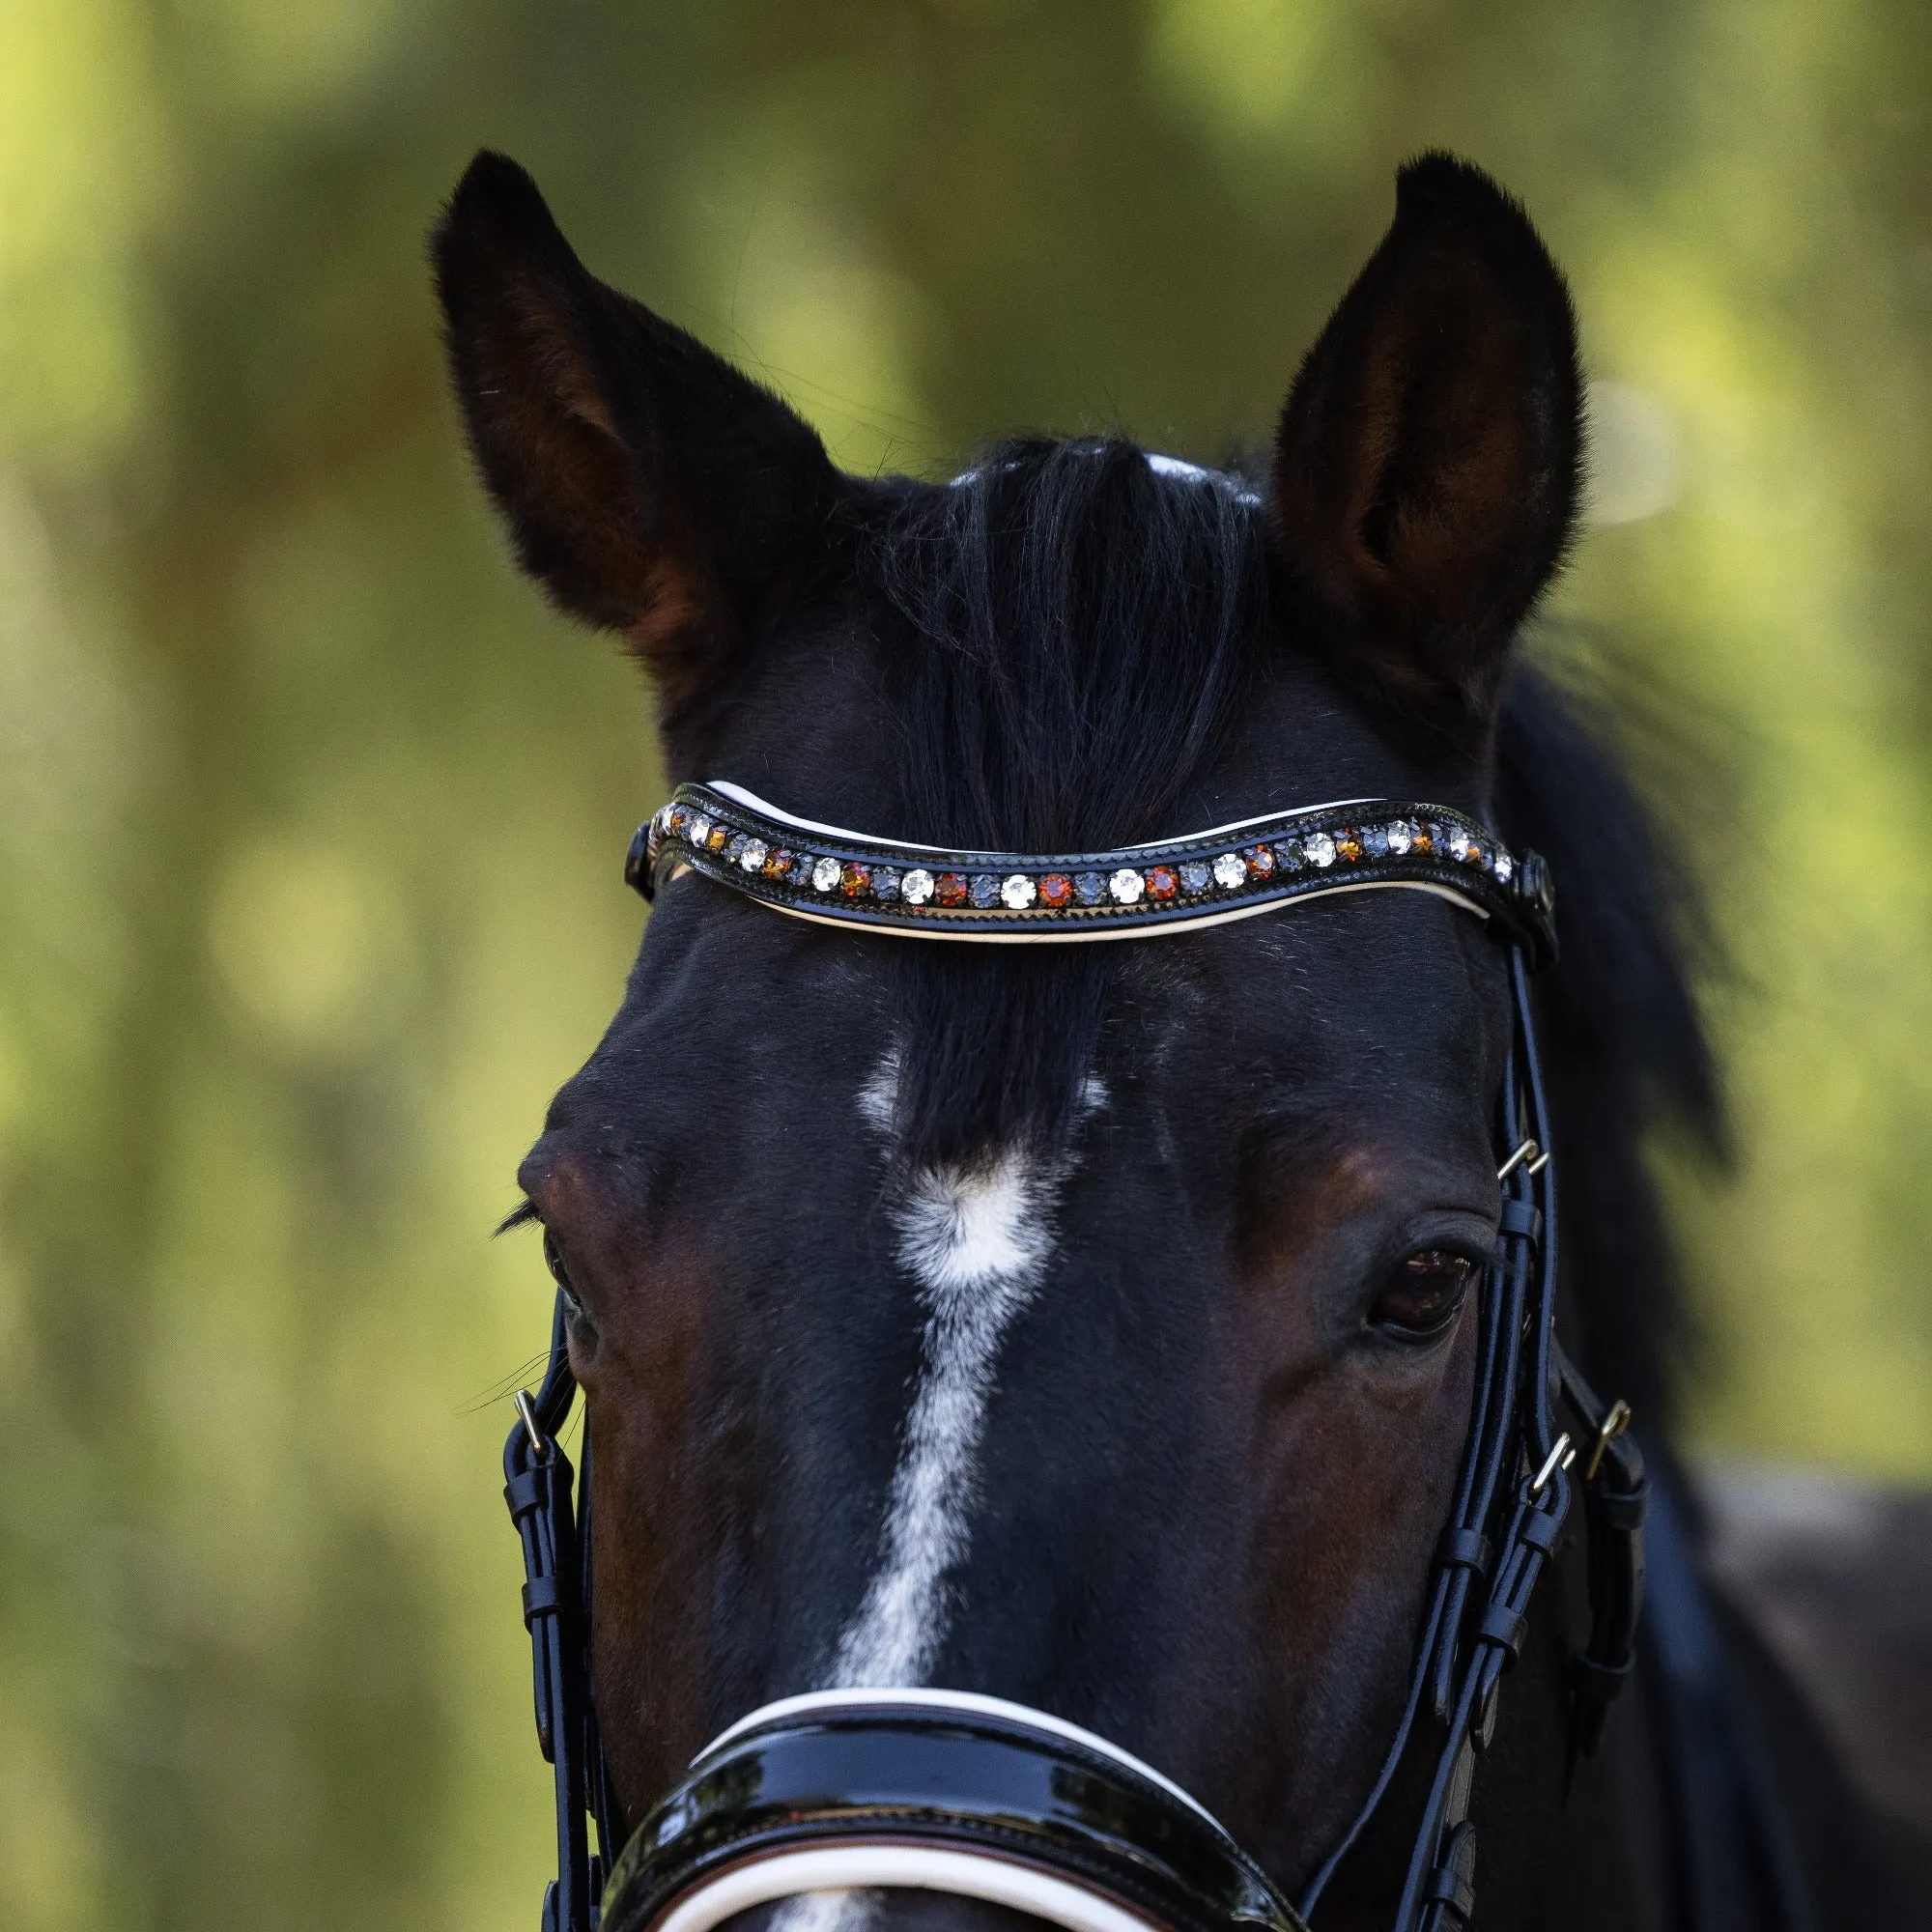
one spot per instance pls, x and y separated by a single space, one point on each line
962 1780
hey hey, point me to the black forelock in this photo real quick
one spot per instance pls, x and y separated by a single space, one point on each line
1086 626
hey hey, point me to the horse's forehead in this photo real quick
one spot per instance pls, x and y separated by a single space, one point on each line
1374 1008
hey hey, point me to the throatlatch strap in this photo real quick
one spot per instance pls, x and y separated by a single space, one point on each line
537 1480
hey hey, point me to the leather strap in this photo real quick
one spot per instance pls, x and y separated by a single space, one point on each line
537 1485
851 878
1615 1501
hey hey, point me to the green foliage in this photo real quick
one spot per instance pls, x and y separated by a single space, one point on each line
310 817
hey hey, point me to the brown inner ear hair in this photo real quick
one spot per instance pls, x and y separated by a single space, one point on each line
1427 460
651 488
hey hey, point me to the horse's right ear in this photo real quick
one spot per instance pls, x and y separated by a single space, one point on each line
649 486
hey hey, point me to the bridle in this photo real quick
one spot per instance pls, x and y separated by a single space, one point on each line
913 1786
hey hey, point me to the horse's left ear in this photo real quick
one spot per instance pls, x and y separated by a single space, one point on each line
650 487
1428 460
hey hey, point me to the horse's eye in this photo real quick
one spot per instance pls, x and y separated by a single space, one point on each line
1424 1294
573 1309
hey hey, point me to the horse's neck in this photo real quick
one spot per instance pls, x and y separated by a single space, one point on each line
1613 1867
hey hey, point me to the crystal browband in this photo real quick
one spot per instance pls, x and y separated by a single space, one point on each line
846 878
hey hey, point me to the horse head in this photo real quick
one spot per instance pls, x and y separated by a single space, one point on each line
1087 1326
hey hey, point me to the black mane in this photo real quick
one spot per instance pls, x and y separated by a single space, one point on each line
1094 624
1621 1032
1089 629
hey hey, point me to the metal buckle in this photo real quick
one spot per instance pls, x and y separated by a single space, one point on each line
540 1443
1528 1152
1560 1456
1613 1425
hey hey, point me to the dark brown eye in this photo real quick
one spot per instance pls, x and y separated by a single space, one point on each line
573 1309
1424 1294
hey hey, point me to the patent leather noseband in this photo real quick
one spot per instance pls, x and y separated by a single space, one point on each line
939 1790
911 1786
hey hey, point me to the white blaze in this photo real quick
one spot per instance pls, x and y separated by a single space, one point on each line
975 1242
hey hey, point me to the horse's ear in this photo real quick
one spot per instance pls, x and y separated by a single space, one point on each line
648 485
1427 465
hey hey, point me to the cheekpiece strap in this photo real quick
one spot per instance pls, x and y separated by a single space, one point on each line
846 878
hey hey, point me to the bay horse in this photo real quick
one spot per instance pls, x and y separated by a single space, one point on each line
1046 1386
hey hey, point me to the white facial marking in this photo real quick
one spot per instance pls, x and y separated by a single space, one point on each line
879 1096
976 1244
825 1912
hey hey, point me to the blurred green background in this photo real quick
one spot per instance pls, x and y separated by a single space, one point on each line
311 815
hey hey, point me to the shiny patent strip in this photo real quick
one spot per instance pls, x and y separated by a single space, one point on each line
933 1701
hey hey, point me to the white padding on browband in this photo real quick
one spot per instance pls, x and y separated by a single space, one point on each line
873 1867
967 1703
754 803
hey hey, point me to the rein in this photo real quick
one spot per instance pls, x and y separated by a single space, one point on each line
953 1791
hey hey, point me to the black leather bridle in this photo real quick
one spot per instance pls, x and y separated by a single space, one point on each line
908 1785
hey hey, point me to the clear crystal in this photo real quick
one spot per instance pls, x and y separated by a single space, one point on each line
1459 842
1401 836
1091 887
1194 876
1229 869
986 890
1020 892
916 888
1502 866
752 853
699 830
885 882
1318 849
1125 886
824 874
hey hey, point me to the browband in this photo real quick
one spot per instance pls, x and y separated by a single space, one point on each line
1173 885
